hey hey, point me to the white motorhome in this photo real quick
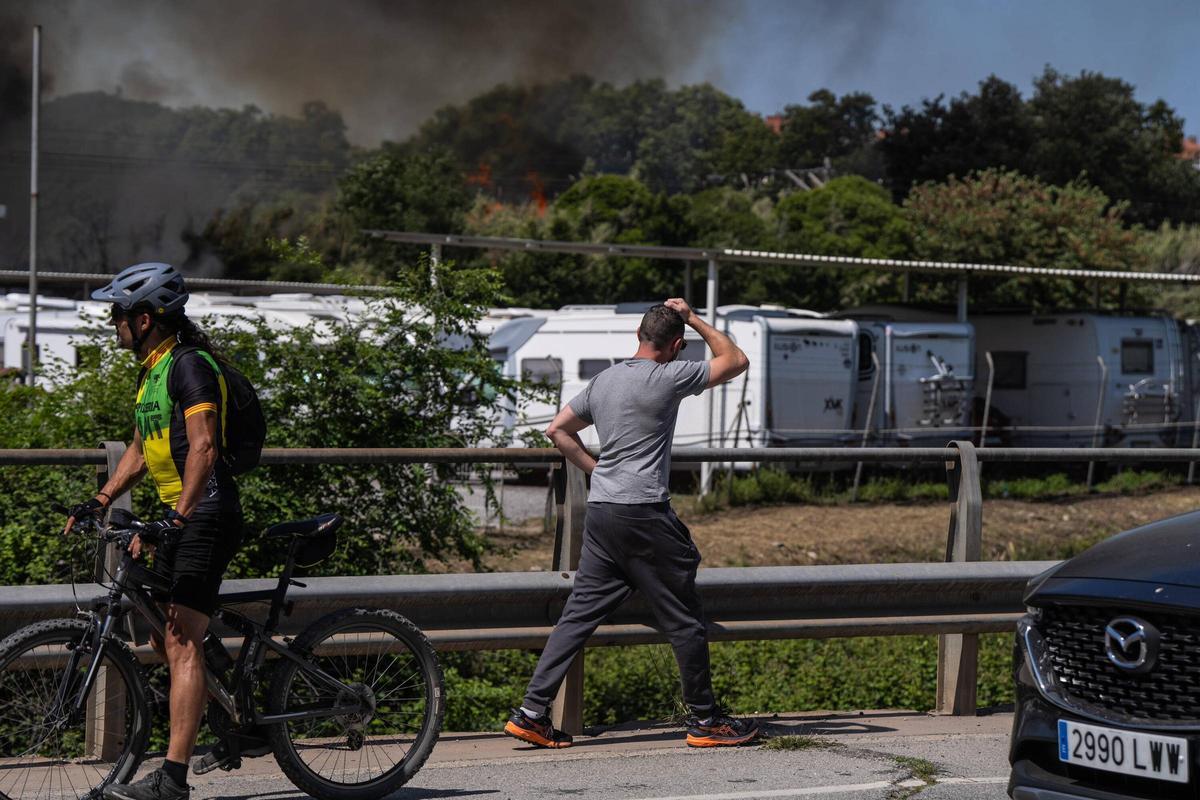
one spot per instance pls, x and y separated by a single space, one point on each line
799 387
924 385
64 336
1048 370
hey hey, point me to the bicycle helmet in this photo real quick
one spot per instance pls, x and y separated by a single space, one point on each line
154 285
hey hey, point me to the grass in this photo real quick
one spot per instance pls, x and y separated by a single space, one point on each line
916 769
799 743
775 486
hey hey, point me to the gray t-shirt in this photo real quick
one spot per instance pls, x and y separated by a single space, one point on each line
633 406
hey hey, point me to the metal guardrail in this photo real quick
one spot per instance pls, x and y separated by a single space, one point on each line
517 610
957 600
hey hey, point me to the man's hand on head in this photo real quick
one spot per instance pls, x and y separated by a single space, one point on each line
680 306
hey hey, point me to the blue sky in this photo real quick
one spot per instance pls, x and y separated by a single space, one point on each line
778 51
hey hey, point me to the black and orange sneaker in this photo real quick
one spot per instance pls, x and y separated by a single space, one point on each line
537 731
720 731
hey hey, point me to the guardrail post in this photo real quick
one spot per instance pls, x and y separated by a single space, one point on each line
567 711
104 731
958 653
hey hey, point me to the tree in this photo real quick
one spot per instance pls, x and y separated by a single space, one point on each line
989 129
1088 127
1093 126
600 208
385 379
828 127
849 216
403 189
1003 217
703 140
1175 249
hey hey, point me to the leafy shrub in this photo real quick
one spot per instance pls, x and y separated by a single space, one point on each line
1133 482
386 379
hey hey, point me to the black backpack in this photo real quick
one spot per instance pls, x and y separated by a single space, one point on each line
245 425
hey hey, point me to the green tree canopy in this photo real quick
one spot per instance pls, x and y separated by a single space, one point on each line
1088 127
828 127
1003 217
386 379
849 216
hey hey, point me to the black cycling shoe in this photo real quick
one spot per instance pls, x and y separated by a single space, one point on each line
155 786
220 758
217 757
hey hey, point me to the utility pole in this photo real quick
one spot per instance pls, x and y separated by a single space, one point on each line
31 345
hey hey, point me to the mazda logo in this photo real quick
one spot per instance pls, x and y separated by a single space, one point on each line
1132 644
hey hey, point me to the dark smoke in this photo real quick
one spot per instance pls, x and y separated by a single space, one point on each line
385 65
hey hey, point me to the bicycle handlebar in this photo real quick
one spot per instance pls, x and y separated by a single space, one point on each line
121 528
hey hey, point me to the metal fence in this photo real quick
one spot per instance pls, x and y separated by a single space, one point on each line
957 599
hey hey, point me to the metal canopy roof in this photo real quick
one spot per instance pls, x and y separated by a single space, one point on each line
725 254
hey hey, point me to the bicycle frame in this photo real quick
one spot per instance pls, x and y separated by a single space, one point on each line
129 583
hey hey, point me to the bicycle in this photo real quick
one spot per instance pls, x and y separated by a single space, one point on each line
351 711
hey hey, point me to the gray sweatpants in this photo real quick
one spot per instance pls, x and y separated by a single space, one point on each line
625 548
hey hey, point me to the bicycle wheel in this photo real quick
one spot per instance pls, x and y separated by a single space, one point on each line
45 749
389 664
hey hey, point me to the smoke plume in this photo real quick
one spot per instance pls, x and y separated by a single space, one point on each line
385 64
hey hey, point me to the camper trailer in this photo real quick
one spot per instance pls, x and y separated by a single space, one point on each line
1074 379
923 386
64 337
799 387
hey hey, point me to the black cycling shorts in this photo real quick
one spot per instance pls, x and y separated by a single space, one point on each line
195 558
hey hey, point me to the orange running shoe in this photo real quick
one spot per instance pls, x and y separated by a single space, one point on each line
537 731
721 731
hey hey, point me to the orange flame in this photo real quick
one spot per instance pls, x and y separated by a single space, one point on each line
537 192
481 177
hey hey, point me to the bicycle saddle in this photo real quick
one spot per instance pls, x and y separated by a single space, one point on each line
323 525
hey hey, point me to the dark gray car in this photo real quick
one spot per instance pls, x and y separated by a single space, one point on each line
1107 671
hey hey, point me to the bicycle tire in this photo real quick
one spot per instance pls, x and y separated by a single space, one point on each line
364 648
33 664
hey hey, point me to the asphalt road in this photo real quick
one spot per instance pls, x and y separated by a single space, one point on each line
855 757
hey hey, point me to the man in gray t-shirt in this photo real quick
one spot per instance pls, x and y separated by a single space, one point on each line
633 406
632 540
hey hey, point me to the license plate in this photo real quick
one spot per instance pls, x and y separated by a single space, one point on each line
1145 755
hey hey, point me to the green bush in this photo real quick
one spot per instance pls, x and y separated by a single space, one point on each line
385 380
1050 486
1133 482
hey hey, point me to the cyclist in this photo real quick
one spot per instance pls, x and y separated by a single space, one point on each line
178 437
632 539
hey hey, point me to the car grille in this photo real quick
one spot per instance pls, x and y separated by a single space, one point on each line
1074 643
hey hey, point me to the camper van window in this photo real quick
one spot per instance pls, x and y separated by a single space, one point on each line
1137 357
1010 369
542 370
591 367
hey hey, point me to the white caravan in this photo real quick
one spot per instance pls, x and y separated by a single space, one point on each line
924 386
799 387
63 337
1048 370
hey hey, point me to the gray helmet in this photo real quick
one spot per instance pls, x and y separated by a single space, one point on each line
157 286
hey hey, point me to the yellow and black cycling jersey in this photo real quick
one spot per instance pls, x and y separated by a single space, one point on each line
177 382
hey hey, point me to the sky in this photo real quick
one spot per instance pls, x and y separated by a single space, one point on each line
903 51
388 64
